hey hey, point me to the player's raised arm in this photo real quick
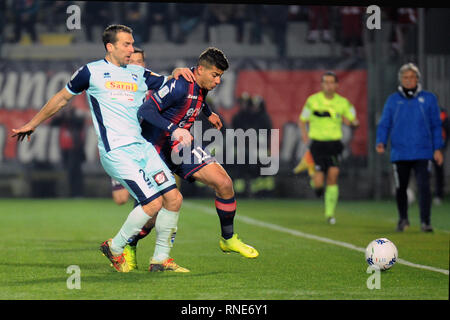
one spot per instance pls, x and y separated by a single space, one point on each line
58 101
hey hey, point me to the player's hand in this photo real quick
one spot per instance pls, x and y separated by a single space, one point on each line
185 73
380 148
183 136
23 132
355 123
214 119
438 157
305 139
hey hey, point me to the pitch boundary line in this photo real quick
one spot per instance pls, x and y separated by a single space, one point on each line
301 234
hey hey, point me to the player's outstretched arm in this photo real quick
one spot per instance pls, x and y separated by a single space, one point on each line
58 101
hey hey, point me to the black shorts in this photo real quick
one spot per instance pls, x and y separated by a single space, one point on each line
198 158
326 154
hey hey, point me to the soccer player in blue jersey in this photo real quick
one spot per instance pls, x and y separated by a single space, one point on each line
120 194
115 90
166 119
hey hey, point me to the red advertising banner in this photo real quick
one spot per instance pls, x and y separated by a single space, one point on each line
286 91
12 119
26 86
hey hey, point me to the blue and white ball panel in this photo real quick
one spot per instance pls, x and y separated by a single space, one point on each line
140 170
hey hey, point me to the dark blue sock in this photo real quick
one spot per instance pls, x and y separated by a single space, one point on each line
226 209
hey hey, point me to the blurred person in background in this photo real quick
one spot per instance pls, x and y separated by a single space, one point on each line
25 17
234 14
252 115
2 22
188 16
404 20
255 16
134 16
71 123
439 169
319 24
410 119
159 13
55 14
351 29
96 14
325 112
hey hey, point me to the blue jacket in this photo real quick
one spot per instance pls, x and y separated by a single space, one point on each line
413 125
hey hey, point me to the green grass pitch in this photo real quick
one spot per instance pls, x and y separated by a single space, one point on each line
42 238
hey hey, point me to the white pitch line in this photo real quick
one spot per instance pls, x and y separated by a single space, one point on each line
297 233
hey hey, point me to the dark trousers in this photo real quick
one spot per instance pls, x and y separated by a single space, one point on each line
72 161
402 171
439 187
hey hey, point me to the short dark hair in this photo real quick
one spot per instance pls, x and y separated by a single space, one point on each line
139 50
330 73
213 57
110 33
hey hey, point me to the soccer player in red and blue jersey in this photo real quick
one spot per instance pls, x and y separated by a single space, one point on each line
166 119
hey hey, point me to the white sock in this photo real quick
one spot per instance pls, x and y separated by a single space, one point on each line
166 229
132 226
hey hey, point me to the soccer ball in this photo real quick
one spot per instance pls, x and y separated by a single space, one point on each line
381 253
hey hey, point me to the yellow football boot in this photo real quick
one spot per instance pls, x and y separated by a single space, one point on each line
118 262
234 244
166 265
129 253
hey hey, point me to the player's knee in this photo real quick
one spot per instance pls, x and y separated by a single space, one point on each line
224 185
332 181
120 200
153 206
120 197
333 175
178 200
172 200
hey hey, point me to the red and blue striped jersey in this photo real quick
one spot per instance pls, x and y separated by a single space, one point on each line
178 104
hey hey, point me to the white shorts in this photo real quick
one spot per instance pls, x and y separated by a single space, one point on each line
140 170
